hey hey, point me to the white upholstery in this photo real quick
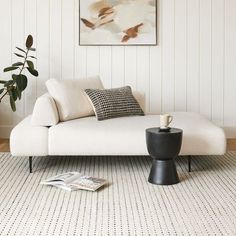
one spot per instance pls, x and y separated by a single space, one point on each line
126 136
28 140
140 97
45 112
70 98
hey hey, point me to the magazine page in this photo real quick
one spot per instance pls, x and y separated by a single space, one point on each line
87 183
74 180
64 178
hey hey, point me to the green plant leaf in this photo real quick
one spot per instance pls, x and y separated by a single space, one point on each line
18 64
21 82
32 71
8 83
33 57
14 94
30 64
10 68
18 93
29 41
13 104
1 90
14 77
20 49
32 49
3 81
18 55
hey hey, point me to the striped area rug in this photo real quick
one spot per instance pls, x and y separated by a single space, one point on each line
204 203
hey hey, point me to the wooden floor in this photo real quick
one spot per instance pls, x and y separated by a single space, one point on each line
4 145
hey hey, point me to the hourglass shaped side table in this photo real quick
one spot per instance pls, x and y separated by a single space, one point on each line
164 147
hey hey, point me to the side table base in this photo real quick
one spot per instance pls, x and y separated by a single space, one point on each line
163 172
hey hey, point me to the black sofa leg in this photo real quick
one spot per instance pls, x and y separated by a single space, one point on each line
189 163
30 164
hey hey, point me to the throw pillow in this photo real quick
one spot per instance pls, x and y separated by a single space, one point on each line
71 100
112 103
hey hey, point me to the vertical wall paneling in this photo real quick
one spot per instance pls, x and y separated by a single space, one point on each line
118 66
80 69
155 84
130 61
56 39
180 67
155 73
5 60
93 61
205 58
143 76
168 55
105 65
193 42
43 44
230 61
192 68
67 41
18 39
218 65
31 28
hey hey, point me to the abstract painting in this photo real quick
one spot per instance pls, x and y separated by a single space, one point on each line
118 22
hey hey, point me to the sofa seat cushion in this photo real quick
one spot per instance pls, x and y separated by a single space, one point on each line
126 136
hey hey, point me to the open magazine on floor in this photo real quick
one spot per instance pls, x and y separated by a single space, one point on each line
71 181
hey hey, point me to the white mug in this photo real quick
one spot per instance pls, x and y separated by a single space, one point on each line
165 121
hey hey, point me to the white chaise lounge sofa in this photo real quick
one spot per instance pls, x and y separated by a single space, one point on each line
42 134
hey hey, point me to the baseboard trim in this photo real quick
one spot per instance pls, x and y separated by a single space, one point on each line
5 131
230 132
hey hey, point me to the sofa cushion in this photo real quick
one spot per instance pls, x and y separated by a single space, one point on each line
113 103
126 135
45 112
70 97
140 98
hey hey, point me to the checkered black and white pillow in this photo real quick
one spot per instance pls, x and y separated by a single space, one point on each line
112 103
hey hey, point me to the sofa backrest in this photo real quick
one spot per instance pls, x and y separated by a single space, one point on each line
45 111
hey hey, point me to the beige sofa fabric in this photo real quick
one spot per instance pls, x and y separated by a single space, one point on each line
70 97
45 112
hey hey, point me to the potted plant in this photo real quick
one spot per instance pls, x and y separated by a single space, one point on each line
14 87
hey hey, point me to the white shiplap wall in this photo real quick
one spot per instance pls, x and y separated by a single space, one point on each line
193 68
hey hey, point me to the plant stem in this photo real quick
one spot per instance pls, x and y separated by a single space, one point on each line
24 61
3 96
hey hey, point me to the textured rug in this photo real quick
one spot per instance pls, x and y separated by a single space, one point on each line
204 203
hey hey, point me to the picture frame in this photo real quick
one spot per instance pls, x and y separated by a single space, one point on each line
118 22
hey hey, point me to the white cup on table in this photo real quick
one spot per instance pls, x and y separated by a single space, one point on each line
165 121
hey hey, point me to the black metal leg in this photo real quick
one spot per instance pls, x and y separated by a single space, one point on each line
189 163
30 164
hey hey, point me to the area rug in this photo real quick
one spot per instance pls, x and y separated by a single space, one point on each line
203 203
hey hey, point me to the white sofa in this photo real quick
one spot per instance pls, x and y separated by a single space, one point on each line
41 134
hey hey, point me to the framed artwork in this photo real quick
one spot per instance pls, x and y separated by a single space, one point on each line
118 22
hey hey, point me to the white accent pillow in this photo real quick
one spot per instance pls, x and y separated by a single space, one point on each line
140 97
70 98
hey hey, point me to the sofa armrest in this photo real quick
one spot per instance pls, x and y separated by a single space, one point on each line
27 140
45 112
140 97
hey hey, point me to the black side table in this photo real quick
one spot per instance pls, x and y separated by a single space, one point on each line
164 147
